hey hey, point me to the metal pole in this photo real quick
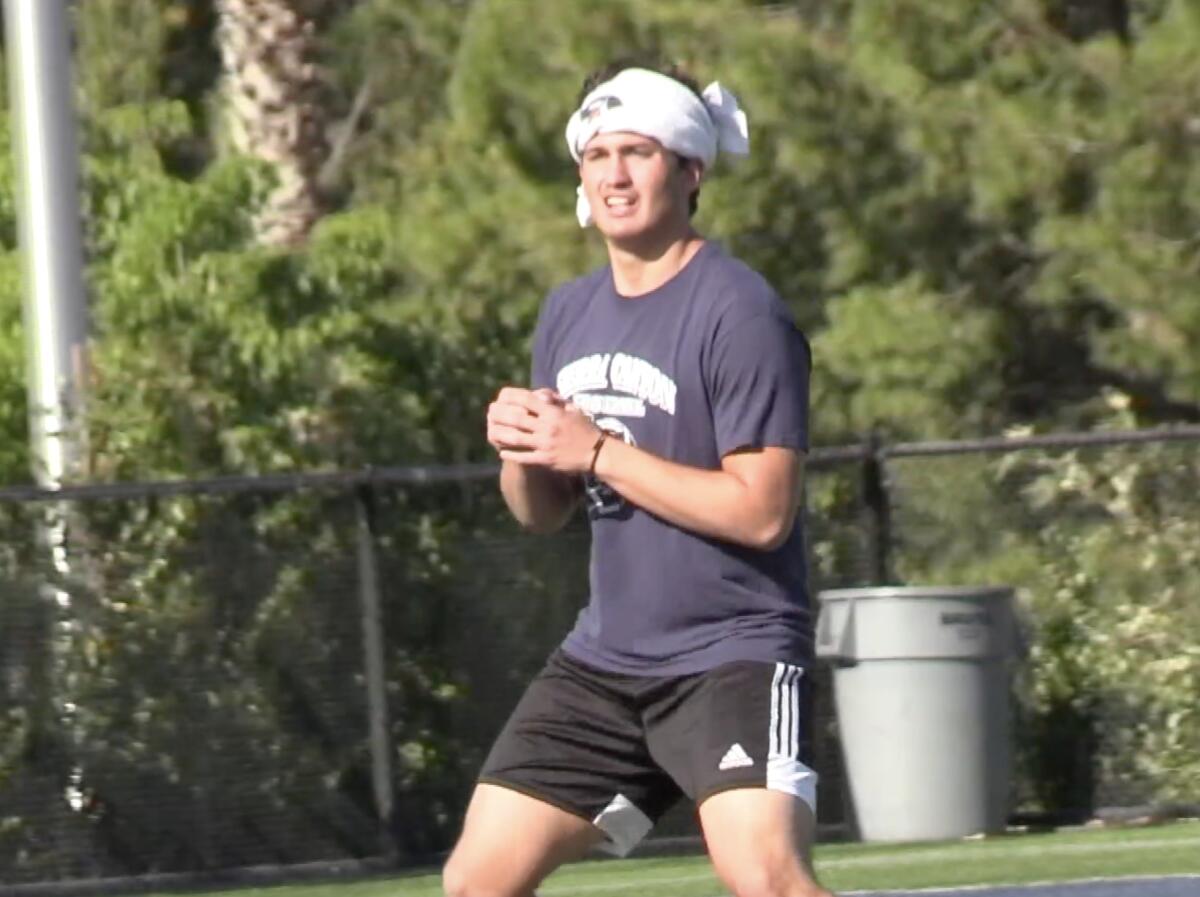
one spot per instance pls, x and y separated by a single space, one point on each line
46 147
55 311
877 499
376 675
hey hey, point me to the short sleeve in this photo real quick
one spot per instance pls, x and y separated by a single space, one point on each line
759 385
542 364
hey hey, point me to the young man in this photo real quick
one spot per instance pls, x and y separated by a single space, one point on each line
673 386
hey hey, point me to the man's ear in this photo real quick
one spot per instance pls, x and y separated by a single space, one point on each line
694 170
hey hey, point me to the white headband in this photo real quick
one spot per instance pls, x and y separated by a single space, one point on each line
654 105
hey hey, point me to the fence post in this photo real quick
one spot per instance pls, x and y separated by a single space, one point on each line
878 504
375 673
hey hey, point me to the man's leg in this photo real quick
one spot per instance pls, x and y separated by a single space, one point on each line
732 738
760 842
510 842
569 771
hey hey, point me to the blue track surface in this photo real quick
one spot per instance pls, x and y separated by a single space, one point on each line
1171 886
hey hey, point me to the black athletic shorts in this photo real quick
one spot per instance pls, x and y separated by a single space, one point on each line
619 750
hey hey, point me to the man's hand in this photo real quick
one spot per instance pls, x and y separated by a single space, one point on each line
538 428
512 415
540 497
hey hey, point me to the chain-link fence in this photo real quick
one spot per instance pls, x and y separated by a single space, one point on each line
256 678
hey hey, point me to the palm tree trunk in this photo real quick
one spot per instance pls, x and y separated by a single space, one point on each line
276 105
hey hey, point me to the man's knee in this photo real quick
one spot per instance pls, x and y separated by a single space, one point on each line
463 879
755 880
768 879
456 881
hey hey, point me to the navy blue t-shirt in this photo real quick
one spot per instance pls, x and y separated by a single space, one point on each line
708 363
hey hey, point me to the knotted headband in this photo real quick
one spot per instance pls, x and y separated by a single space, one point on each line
655 105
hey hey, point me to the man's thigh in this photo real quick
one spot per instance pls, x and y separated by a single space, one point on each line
576 742
760 842
735 738
511 841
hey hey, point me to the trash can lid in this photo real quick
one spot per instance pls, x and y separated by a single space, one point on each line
915 623
868 592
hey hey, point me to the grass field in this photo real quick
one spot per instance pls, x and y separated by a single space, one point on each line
1010 859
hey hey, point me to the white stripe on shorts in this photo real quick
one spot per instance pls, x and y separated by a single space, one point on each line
785 772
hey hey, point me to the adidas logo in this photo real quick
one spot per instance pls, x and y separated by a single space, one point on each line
735 757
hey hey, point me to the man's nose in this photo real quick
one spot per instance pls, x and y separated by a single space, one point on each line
616 172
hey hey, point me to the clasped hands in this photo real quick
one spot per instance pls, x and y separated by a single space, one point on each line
540 427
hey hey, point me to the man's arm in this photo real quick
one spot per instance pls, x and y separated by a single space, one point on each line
541 499
752 500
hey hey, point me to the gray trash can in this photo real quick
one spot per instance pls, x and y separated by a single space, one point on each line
921 688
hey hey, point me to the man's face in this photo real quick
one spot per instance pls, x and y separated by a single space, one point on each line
637 189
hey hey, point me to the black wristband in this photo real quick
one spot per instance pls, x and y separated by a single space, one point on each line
596 451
